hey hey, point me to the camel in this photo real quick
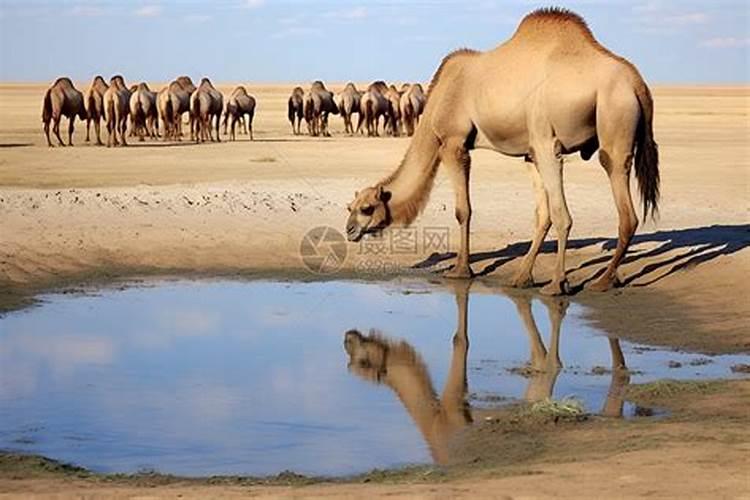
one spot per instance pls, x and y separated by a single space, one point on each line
172 102
239 104
144 112
206 104
550 90
396 364
318 104
412 105
62 99
295 109
116 109
393 121
95 107
373 105
348 102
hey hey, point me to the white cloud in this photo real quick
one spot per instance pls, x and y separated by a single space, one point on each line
148 11
729 42
253 4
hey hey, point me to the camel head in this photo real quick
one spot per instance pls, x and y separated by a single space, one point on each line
367 356
368 213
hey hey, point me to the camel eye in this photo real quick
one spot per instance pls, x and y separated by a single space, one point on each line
367 210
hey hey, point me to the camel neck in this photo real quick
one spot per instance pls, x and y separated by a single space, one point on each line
411 183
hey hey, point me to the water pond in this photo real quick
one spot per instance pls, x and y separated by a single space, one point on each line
327 378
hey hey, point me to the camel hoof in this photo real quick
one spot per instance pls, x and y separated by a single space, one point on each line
604 284
523 281
556 288
459 272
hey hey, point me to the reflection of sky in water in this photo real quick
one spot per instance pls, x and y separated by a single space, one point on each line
251 378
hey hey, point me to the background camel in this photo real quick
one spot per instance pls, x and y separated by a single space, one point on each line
295 109
144 112
173 101
373 106
393 123
95 107
239 103
412 105
62 99
318 104
116 109
206 105
348 102
550 90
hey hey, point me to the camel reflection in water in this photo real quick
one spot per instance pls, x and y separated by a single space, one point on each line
396 364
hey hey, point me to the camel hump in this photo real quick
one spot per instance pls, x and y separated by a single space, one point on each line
143 87
63 81
548 21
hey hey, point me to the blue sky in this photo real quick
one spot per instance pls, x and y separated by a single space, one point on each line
298 41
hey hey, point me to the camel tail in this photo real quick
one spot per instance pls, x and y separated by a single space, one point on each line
647 154
47 107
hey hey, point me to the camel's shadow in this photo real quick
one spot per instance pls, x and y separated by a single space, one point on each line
677 249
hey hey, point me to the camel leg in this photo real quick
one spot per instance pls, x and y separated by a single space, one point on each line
88 126
56 130
549 162
226 119
234 123
98 128
124 130
250 126
458 162
218 120
71 128
46 134
618 167
524 277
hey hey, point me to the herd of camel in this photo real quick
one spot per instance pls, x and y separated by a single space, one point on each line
118 104
399 109
137 111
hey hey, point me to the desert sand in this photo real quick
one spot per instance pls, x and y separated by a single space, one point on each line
79 213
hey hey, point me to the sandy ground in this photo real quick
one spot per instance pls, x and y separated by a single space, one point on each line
75 213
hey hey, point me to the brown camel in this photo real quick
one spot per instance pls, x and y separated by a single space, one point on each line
173 101
295 109
393 122
116 109
348 102
373 105
144 112
239 104
95 107
412 105
62 99
206 105
550 90
318 104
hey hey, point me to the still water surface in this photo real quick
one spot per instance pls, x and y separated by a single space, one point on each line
333 378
